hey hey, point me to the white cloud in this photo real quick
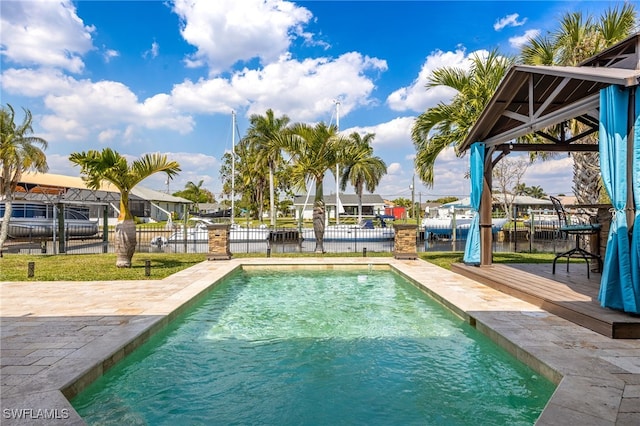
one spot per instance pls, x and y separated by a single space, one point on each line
395 133
394 168
82 107
227 31
286 86
107 135
519 41
110 54
555 175
416 97
509 21
79 108
153 51
44 33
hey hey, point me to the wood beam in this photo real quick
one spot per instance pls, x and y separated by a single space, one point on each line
486 204
547 147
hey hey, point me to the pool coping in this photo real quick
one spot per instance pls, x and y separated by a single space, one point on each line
598 378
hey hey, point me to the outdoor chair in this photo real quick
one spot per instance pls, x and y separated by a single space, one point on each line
578 230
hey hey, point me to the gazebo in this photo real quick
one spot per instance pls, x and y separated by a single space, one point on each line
603 94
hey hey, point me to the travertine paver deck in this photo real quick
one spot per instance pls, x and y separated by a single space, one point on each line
59 336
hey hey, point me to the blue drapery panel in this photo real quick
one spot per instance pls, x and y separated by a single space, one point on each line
616 287
472 247
635 239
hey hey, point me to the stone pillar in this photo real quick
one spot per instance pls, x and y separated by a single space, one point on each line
405 241
219 242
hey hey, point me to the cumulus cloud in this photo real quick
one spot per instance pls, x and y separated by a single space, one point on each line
519 41
509 21
45 33
80 106
227 31
555 175
417 97
286 86
394 133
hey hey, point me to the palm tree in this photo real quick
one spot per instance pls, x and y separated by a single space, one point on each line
577 39
536 192
361 168
448 124
112 167
19 152
249 180
520 189
313 150
265 135
196 193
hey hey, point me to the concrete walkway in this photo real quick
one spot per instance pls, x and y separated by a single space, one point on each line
57 337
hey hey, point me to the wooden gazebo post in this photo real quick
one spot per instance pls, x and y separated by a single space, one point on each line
486 203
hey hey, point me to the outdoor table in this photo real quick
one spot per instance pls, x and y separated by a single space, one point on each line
603 217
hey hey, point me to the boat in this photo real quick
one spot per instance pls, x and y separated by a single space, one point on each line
443 226
200 234
33 219
362 231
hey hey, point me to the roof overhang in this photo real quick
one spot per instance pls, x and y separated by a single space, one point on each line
532 98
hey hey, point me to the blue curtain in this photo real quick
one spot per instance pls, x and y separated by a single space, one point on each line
616 287
635 239
472 247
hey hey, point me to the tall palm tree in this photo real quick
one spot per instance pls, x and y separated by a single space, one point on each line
19 152
361 168
578 38
265 134
112 167
249 180
447 124
314 151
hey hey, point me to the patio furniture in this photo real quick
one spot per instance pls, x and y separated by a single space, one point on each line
578 230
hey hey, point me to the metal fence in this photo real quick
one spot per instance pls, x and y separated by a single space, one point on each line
518 236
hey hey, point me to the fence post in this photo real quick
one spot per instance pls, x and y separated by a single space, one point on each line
31 266
147 268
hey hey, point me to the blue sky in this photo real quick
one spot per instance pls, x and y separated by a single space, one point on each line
164 76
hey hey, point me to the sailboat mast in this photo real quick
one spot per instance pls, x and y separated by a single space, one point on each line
337 167
233 165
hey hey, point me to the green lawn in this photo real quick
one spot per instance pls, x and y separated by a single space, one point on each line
94 267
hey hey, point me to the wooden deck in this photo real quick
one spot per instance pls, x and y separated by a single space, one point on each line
571 296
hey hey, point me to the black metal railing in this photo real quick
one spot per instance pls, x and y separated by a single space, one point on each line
519 236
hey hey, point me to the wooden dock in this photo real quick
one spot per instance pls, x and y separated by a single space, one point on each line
571 296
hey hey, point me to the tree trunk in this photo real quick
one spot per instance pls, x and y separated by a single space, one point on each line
318 215
125 242
4 228
359 190
586 177
318 226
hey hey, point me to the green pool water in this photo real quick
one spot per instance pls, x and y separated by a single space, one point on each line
317 348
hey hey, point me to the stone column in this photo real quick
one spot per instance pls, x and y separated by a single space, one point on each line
219 242
405 242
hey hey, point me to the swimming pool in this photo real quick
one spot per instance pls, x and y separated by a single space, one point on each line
317 347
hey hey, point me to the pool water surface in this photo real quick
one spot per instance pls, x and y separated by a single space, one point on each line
317 347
